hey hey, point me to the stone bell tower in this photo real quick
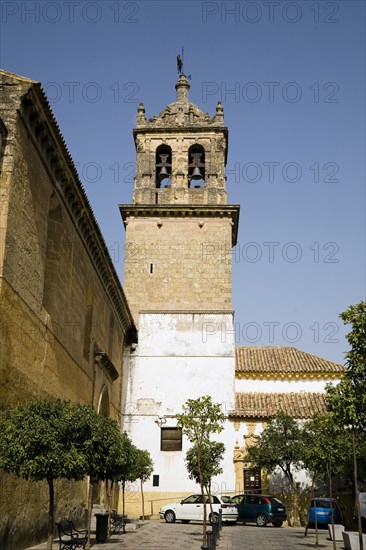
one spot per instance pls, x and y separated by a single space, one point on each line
179 235
179 229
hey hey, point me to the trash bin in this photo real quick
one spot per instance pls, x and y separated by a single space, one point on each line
101 531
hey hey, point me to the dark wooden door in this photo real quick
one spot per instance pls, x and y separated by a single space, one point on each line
252 481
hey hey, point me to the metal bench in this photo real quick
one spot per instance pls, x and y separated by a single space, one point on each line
117 522
69 537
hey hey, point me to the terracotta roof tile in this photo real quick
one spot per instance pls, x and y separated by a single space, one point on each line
266 405
279 359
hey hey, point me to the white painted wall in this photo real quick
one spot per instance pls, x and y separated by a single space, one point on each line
279 386
180 356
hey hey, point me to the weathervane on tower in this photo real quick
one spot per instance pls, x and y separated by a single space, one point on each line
180 63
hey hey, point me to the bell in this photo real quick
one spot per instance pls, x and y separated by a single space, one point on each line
196 174
163 173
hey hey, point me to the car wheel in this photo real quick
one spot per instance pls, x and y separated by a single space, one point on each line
213 518
261 520
186 520
169 516
277 523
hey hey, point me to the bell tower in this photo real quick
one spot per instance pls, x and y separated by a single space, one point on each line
179 229
179 235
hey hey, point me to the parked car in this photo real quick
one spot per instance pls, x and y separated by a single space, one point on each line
261 509
191 508
322 510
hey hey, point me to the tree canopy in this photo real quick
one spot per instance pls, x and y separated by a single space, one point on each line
279 446
347 400
211 456
199 420
49 440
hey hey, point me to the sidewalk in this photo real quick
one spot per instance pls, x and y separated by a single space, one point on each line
157 535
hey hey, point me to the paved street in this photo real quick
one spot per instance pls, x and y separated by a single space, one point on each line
157 535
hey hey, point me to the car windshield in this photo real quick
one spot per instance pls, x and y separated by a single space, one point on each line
320 503
192 499
274 500
227 500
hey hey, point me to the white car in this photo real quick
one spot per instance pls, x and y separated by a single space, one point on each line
191 508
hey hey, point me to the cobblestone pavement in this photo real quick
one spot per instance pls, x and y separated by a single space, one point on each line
158 535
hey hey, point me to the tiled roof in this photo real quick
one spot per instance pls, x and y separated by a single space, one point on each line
278 359
266 405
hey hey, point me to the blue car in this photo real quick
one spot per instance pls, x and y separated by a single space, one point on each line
322 509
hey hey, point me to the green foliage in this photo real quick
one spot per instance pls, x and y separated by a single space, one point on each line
211 455
327 446
36 442
100 442
347 400
200 418
143 466
55 439
279 445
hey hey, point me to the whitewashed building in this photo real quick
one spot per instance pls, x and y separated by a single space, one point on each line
178 283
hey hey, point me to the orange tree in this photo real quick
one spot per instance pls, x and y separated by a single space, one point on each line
36 444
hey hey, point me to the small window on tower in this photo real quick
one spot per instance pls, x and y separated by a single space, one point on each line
171 439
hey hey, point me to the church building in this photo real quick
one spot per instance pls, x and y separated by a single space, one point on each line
69 330
180 231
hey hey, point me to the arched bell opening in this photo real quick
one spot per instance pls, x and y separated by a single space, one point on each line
196 167
163 166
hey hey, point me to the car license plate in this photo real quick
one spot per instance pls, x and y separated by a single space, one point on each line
322 513
280 509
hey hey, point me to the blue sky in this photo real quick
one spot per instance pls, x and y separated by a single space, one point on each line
291 76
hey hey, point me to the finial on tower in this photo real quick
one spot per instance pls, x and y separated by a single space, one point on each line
182 87
141 118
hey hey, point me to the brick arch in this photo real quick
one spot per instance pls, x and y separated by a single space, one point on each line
196 160
163 161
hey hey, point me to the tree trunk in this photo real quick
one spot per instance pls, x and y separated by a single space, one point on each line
208 491
316 524
357 502
142 501
309 505
51 514
90 508
204 526
109 493
331 505
123 503
296 519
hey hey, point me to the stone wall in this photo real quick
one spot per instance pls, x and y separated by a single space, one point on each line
60 298
178 264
